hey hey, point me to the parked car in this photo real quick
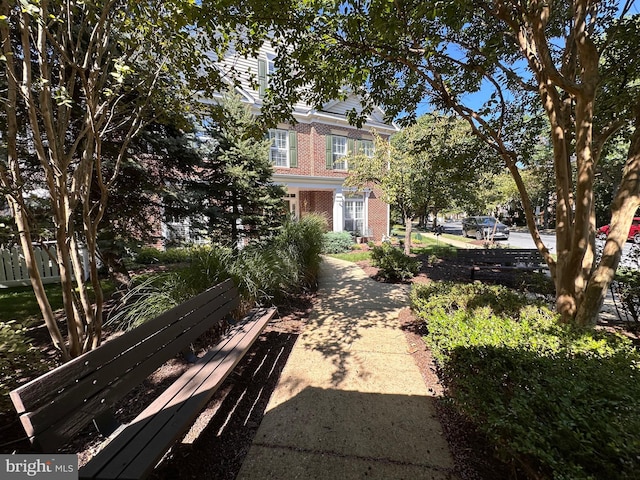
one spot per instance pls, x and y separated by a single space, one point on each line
482 227
634 231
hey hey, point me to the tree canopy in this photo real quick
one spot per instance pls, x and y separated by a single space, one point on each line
444 148
557 58
423 168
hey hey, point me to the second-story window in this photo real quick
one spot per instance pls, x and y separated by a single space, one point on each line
338 149
284 148
266 69
271 66
366 147
339 152
279 153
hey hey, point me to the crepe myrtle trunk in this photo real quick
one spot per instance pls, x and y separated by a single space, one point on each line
623 208
407 234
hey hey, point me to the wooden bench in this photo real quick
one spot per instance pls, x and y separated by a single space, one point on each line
59 404
502 259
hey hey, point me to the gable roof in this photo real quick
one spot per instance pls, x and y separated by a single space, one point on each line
333 112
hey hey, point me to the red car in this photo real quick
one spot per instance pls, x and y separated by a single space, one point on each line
634 231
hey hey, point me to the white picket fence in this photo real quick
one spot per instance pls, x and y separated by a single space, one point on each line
13 269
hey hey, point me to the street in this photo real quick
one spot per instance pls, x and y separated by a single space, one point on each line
522 239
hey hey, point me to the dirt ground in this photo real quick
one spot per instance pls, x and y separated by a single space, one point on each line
220 439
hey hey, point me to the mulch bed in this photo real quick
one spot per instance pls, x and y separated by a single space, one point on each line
220 439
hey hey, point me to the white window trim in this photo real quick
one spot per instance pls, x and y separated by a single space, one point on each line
271 65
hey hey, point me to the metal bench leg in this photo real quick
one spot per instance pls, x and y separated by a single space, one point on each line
106 423
189 355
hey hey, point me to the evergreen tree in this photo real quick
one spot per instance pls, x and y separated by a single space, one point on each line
233 188
150 178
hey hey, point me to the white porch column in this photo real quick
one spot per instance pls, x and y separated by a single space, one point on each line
365 198
338 215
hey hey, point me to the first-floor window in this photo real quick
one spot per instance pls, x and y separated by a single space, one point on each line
279 152
354 215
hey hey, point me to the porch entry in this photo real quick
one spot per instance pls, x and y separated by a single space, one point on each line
291 204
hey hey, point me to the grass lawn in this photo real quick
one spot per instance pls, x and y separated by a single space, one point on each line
432 247
459 238
353 256
423 245
20 303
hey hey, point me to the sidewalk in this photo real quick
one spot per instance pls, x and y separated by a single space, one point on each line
350 403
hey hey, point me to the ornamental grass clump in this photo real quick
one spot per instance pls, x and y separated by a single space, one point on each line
556 400
301 245
265 273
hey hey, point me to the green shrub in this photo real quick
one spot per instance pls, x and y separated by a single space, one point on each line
17 360
556 398
454 297
393 264
336 242
150 255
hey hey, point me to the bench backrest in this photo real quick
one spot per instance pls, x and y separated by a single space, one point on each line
57 405
501 255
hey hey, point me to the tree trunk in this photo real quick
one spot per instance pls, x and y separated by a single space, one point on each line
624 207
20 215
117 270
13 182
407 234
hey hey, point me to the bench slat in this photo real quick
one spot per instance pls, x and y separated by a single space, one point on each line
190 408
96 393
138 448
501 256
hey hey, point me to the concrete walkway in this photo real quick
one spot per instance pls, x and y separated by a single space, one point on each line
351 403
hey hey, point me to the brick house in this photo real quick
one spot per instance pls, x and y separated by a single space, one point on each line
309 157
